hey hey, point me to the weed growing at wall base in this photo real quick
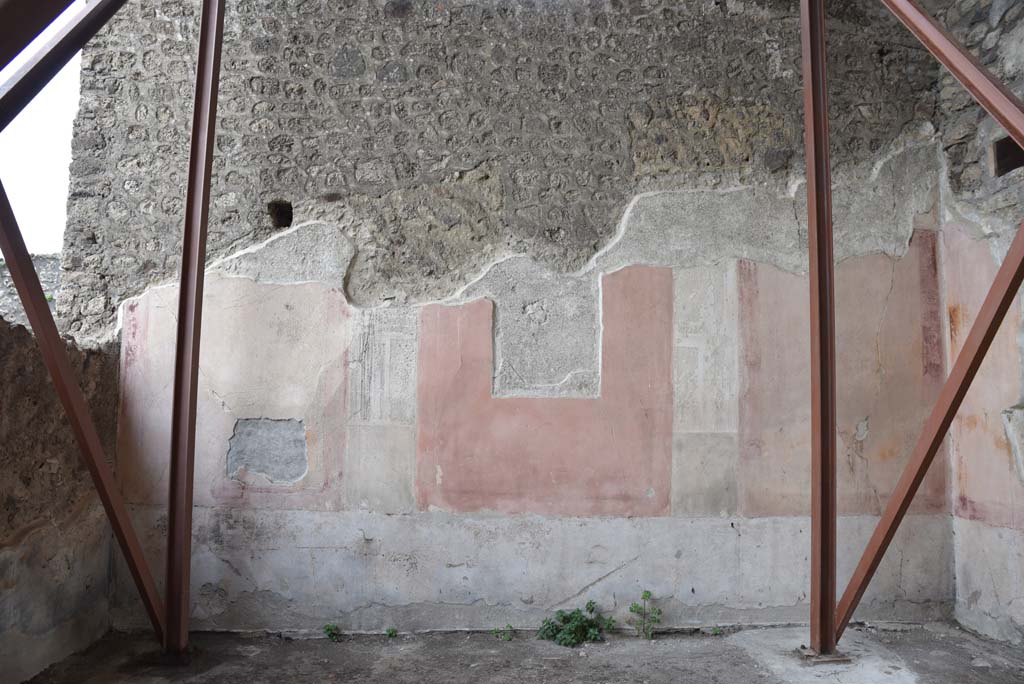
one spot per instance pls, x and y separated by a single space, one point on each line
647 615
332 632
505 634
576 627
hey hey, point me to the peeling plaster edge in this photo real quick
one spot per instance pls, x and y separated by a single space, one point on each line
259 246
457 297
925 136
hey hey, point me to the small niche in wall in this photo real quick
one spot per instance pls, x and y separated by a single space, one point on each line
1006 156
280 213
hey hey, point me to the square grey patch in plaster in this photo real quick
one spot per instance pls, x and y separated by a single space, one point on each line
547 329
275 449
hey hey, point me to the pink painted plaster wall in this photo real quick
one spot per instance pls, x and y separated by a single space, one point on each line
606 456
987 487
889 365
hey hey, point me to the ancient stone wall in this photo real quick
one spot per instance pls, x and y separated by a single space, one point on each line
445 135
505 306
55 541
541 438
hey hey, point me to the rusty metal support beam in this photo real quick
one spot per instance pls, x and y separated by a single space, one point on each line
190 316
21 21
25 84
54 353
998 301
823 362
987 90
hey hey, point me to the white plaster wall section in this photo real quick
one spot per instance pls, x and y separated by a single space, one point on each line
380 457
706 338
705 367
990 579
296 570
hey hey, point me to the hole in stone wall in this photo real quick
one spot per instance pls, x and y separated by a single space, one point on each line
280 213
1007 156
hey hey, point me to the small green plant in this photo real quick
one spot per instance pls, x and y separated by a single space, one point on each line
717 631
392 632
332 632
647 615
574 628
506 634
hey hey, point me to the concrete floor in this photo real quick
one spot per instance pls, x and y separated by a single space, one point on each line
934 654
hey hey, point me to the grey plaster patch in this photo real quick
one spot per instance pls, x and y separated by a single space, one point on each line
311 252
275 449
546 329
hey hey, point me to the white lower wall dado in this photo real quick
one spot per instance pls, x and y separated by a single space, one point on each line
296 570
990 579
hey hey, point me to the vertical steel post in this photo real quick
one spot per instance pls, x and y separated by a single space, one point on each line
823 364
54 354
190 313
